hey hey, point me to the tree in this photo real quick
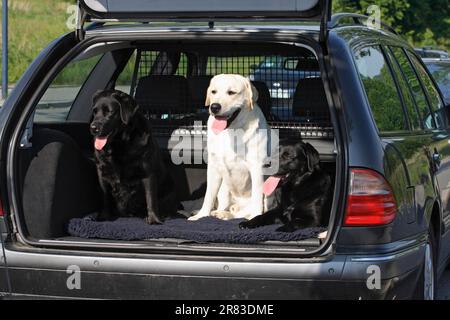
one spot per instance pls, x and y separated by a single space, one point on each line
420 22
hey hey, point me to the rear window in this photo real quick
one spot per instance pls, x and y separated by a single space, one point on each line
170 86
380 88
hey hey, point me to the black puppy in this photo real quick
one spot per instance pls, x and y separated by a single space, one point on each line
133 178
302 190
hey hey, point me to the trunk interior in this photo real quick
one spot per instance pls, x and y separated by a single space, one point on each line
57 174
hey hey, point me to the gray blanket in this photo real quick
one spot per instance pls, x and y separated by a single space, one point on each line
204 230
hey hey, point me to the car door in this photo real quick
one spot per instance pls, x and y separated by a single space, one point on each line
429 131
5 288
440 145
405 162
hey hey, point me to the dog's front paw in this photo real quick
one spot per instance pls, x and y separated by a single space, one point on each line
251 224
245 225
152 219
197 216
248 213
222 214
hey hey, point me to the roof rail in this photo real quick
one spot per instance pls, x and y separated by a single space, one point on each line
357 19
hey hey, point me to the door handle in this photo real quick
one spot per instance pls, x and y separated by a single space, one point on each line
437 158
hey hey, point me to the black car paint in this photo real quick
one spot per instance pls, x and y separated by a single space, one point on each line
387 156
398 247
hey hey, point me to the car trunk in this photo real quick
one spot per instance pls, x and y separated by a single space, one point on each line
57 172
168 77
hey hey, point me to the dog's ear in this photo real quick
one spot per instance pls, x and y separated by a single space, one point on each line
252 93
208 97
128 106
312 157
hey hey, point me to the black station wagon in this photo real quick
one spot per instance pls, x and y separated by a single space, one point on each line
360 95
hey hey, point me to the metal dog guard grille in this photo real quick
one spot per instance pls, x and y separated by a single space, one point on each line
172 91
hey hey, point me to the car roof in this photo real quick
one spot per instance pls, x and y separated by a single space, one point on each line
307 29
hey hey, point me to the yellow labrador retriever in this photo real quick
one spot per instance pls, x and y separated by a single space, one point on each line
237 150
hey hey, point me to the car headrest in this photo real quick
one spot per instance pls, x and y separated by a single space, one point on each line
264 100
310 100
162 94
308 65
198 85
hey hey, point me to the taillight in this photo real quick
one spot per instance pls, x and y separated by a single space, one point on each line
370 200
1 209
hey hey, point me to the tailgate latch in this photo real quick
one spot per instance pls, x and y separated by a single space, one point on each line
81 19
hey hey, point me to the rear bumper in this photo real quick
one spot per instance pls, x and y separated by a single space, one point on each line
389 276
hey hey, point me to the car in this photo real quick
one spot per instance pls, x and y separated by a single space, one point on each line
428 52
440 71
372 111
281 75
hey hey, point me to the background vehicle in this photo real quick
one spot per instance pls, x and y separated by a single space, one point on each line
440 71
281 76
432 53
374 114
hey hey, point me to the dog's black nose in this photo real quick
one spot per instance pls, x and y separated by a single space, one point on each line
95 128
215 108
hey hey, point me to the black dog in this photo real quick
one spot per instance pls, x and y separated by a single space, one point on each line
133 178
302 190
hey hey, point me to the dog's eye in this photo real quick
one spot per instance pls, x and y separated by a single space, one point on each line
105 110
214 91
231 92
285 155
95 110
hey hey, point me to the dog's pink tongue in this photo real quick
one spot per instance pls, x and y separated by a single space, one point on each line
270 185
219 125
100 143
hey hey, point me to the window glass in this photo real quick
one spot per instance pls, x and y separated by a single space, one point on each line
440 71
291 64
416 88
182 69
243 65
380 88
406 93
433 95
57 100
125 78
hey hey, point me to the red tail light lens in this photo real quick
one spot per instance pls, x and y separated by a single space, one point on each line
1 209
370 200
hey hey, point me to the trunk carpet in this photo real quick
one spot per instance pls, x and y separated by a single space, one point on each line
204 230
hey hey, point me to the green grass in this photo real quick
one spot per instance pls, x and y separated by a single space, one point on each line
33 24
